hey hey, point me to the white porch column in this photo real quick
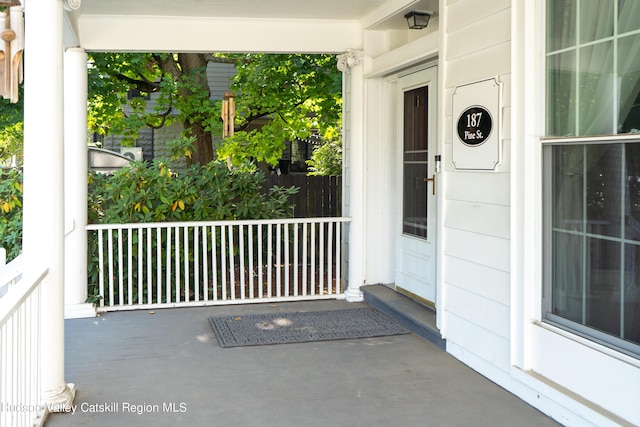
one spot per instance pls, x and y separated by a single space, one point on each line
350 63
43 230
75 185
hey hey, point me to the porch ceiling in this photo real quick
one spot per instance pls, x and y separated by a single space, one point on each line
259 9
233 25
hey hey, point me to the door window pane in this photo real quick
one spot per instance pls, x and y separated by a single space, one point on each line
415 166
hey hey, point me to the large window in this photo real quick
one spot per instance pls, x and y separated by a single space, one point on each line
592 182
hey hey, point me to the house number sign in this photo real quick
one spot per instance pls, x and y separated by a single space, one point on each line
476 126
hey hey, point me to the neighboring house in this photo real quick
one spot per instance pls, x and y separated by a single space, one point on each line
521 232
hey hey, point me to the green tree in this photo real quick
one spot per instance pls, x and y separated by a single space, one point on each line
299 94
326 160
296 94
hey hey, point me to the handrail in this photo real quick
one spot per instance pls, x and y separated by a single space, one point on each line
10 303
21 349
146 225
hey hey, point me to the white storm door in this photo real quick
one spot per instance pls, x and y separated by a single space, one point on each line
416 185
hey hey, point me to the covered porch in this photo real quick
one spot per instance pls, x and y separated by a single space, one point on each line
165 368
480 259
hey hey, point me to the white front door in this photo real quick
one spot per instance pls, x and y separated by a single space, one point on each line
416 185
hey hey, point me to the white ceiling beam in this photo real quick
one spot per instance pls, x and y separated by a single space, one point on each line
189 34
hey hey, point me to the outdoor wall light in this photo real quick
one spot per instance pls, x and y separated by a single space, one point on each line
417 20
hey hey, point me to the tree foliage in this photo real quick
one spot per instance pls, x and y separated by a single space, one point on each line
300 94
293 96
326 160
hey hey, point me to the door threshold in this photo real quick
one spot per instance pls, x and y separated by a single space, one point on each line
417 298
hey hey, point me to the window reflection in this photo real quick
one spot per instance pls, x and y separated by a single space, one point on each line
596 237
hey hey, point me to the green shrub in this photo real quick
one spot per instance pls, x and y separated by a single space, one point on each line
11 212
154 194
201 193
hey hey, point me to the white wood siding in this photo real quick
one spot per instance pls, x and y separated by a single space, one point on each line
479 342
461 13
476 220
462 274
219 75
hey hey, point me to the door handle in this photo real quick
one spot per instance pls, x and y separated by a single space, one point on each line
432 180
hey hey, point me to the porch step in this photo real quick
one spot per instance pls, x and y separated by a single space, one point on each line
416 317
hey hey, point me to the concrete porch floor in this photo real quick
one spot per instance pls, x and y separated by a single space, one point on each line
167 369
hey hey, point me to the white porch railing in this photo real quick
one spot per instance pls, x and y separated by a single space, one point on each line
9 273
159 265
20 374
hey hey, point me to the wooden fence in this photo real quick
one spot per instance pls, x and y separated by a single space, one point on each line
318 197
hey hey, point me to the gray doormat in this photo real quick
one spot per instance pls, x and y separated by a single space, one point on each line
284 328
